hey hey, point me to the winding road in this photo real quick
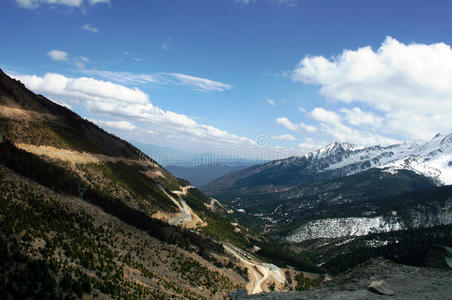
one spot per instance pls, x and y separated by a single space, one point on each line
185 212
260 272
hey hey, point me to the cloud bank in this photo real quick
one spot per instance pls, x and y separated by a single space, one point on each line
133 112
396 92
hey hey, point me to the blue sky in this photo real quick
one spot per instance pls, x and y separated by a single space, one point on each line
239 76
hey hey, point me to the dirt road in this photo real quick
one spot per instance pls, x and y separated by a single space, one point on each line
259 272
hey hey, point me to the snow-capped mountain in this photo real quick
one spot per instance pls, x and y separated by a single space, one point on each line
345 190
432 159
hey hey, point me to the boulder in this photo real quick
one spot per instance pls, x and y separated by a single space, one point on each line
380 287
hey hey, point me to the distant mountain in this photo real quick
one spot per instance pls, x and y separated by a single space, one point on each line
167 156
197 168
334 189
432 159
203 174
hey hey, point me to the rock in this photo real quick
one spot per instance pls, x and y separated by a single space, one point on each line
440 256
448 262
380 287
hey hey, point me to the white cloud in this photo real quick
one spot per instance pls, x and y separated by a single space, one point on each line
338 131
271 101
309 144
284 137
90 28
123 125
164 46
302 109
296 127
29 4
358 117
94 2
196 83
83 88
290 3
58 55
80 62
324 115
125 104
408 85
201 84
343 133
124 77
32 4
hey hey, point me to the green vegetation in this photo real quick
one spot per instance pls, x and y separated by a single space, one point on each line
218 226
306 283
409 247
283 257
63 180
141 188
58 251
48 134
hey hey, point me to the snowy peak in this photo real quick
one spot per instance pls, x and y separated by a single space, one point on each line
432 159
333 149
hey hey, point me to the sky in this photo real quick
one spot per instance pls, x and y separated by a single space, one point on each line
248 78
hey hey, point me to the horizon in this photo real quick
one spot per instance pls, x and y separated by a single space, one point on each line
268 79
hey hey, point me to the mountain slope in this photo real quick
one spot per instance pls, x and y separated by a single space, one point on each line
337 190
92 211
86 213
432 159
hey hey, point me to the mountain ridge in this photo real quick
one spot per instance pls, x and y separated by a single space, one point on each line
432 159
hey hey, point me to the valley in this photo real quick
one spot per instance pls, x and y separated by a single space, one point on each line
276 226
101 218
225 150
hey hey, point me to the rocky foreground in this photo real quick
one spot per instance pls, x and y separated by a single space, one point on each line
376 279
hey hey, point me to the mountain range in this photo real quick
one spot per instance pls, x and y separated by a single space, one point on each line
341 189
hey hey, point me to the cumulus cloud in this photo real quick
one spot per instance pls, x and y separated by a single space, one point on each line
343 133
123 125
84 88
90 28
309 144
338 131
294 126
58 55
321 114
357 117
409 86
125 104
284 137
